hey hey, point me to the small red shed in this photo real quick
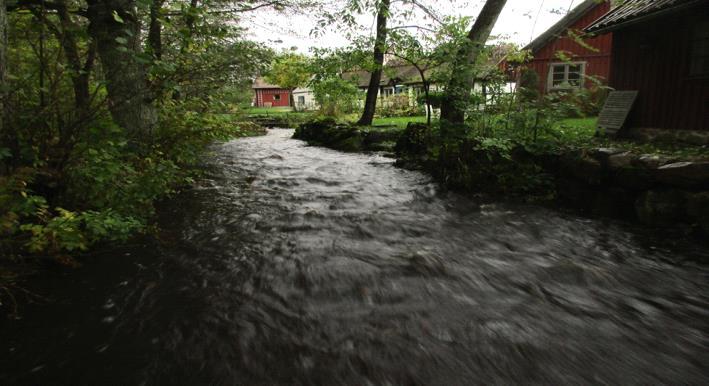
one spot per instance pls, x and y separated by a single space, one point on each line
269 95
661 50
561 62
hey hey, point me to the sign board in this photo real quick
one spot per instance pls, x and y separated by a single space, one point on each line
615 111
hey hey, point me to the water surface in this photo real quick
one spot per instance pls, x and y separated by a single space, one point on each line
298 265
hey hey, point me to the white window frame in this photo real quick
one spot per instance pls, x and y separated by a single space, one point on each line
550 76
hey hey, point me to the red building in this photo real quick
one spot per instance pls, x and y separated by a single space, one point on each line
561 61
268 95
661 49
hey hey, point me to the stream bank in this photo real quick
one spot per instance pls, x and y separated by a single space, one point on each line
656 190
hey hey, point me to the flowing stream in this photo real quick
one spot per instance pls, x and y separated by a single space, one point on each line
297 265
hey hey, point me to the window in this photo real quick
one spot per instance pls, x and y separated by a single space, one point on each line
277 97
301 100
699 62
566 75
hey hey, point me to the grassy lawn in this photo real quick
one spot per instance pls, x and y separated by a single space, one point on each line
400 122
576 129
581 131
268 110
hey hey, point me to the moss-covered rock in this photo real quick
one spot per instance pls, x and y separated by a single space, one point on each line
415 141
330 133
347 137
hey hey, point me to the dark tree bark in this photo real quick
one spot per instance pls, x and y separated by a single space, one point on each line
155 29
458 90
370 103
190 20
3 45
66 35
115 28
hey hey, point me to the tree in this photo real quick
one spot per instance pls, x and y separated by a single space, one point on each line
463 75
428 53
370 102
3 45
290 71
115 27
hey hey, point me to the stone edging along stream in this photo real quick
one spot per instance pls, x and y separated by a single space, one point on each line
654 190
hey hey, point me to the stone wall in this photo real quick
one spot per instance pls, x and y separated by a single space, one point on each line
652 189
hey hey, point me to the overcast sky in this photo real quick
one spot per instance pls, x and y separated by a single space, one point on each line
520 22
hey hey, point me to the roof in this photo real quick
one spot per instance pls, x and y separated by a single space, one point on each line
260 83
403 74
562 25
634 11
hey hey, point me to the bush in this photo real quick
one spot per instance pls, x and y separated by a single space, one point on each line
336 96
107 187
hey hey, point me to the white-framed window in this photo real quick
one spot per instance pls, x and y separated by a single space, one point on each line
277 97
563 76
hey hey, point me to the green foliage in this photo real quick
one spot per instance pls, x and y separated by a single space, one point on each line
335 95
289 70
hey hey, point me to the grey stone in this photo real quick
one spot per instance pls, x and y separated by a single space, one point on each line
698 209
652 161
684 174
621 160
661 207
602 154
583 168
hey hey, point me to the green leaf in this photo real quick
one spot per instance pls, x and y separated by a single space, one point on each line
121 40
117 18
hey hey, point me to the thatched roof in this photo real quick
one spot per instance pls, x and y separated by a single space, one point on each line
403 74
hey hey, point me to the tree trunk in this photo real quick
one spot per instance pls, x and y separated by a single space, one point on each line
115 28
155 29
3 45
426 93
370 103
458 90
80 72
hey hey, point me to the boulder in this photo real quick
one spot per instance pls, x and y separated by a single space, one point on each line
621 160
584 168
652 161
684 174
661 207
415 141
698 209
604 153
633 179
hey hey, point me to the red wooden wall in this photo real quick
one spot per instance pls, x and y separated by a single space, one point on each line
264 96
653 58
597 63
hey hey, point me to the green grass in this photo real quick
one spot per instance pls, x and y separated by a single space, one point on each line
400 122
581 132
268 110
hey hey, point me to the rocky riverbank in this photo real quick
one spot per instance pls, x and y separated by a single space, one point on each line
656 190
